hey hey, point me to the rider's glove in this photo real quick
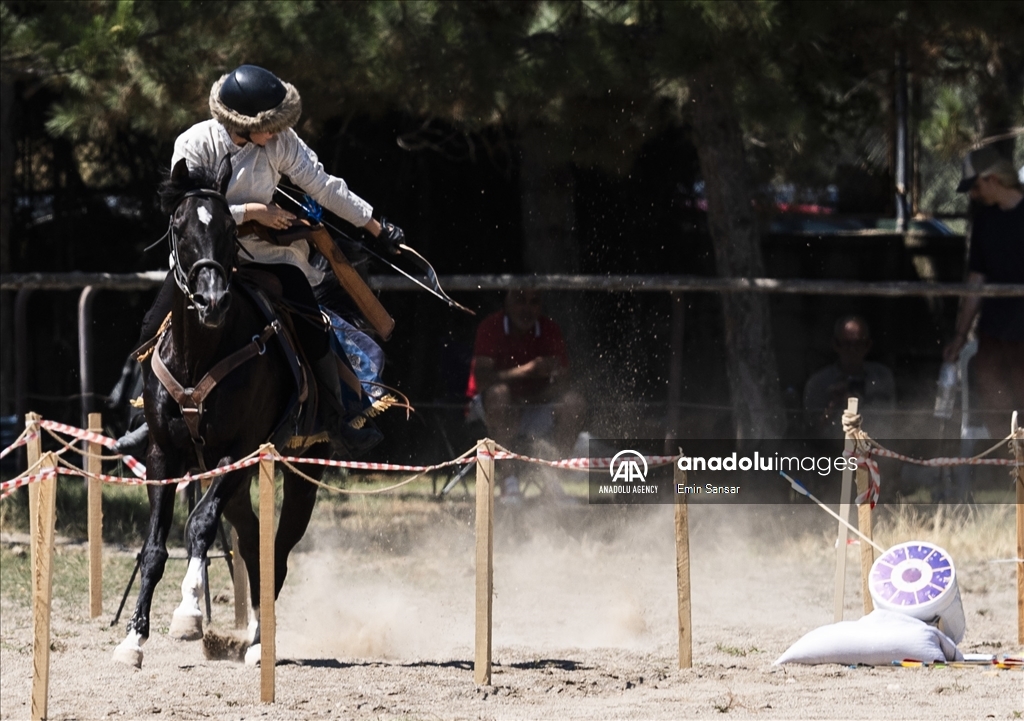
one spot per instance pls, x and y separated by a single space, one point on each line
390 236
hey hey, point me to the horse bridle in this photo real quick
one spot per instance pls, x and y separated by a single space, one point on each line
190 400
182 279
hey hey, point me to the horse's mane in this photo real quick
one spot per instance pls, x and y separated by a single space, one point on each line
172 191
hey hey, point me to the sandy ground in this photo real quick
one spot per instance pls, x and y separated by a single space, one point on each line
376 622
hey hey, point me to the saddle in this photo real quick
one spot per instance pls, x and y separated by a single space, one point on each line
299 426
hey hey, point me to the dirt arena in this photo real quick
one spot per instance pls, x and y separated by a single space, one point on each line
376 622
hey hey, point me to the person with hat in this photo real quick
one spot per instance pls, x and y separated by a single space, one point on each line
996 255
254 114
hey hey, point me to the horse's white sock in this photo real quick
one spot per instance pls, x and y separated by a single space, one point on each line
187 622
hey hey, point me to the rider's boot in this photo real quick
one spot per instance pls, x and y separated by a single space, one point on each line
348 441
134 443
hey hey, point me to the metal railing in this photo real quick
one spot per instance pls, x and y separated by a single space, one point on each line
24 284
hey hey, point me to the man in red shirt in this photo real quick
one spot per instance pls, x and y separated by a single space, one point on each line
519 377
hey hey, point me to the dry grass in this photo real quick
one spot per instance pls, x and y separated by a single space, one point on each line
969 533
125 513
70 572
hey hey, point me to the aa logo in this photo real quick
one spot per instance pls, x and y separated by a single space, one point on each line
626 466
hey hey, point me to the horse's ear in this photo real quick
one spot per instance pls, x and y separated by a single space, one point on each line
224 175
179 174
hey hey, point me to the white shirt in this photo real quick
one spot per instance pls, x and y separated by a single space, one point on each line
255 173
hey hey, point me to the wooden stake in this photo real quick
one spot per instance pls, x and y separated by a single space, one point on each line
844 513
484 560
683 572
33 452
42 584
94 464
241 583
1018 452
867 552
34 447
268 619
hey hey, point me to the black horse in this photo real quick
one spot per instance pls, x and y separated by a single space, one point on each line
211 319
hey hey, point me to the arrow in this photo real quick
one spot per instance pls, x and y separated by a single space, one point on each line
803 491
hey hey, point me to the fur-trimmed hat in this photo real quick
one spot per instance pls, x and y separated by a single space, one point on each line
253 100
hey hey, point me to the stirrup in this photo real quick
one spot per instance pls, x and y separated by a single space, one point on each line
356 442
350 442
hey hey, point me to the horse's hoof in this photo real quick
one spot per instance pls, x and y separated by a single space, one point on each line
129 653
252 655
186 625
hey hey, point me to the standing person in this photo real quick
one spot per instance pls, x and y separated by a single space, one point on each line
996 255
519 379
827 391
253 117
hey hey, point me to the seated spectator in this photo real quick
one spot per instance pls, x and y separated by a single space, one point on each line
519 379
827 391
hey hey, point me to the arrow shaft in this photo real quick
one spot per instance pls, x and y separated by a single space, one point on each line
800 489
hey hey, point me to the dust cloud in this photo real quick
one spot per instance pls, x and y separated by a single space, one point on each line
565 576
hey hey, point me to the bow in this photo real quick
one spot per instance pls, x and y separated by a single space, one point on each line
314 211
424 265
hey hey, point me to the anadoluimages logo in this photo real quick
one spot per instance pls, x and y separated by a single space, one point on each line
627 469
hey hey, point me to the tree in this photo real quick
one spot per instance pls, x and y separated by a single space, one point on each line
689 39
774 91
109 70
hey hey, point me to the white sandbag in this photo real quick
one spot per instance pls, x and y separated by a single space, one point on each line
877 639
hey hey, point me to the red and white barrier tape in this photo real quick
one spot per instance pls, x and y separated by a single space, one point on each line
9 487
870 493
875 480
22 440
186 479
582 464
135 465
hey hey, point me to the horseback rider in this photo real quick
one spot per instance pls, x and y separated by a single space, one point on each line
253 117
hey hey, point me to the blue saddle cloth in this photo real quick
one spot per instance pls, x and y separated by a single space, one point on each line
363 356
